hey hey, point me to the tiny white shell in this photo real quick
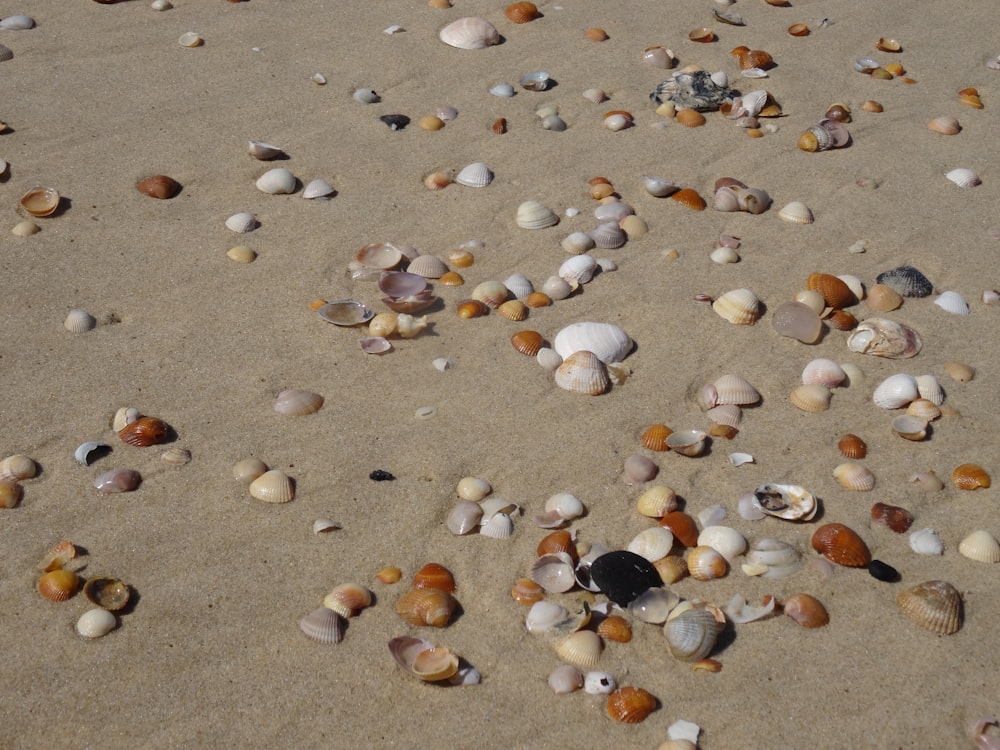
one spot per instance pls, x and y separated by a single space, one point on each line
500 526
96 622
598 683
190 39
724 256
161 5
278 181
366 96
83 452
503 90
325 525
318 188
926 542
739 459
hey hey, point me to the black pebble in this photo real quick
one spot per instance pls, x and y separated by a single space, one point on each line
883 572
395 122
381 476
623 575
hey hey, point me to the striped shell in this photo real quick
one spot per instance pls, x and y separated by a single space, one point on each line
933 605
323 625
841 545
295 402
630 705
739 306
970 477
476 175
853 476
145 431
980 546
426 607
583 372
691 635
273 487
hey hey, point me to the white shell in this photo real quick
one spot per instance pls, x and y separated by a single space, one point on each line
557 287
595 96
613 211
727 541
824 372
503 90
740 612
317 188
161 5
428 266
926 542
578 269
554 572
475 175
773 558
79 321
583 372
952 302
964 178
738 306
652 543
735 389
464 517
519 285
753 102
577 243
548 358
980 546
599 683
929 388
25 228
534 215
278 181
273 487
366 96
567 505
17 23
470 33
609 342
724 255
95 623
853 476
896 391
263 151
241 223
796 212
565 679
190 39
499 526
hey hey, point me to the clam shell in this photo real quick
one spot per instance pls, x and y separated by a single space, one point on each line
470 33
811 397
279 181
577 243
241 223
558 288
422 659
534 215
796 212
464 517
911 427
606 340
739 306
17 23
893 517
884 338
945 125
959 372
774 558
345 312
17 467
798 321
789 501
498 526
79 321
687 442
851 446
896 391
841 545
806 610
727 541
565 678
608 235
652 543
706 563
273 486
659 187
964 178
882 298
117 480
347 599
473 488
630 705
853 476
578 269
824 372
95 623
582 648
296 402
653 605
264 151
554 572
380 255
428 266
107 593
692 634
40 201
317 188
906 280
476 175
159 186
544 616
980 546
735 389
952 302
933 605
58 585
583 372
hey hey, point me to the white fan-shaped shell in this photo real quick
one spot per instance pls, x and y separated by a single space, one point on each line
273 487
824 372
557 287
796 212
241 222
577 243
652 543
753 102
952 302
608 235
317 188
980 546
725 540
583 372
964 178
739 306
278 181
735 389
578 269
896 391
499 526
535 215
79 321
475 175
470 33
609 342
929 388
428 266
519 285
926 542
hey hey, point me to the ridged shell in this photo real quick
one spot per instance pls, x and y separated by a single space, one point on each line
145 431
739 306
853 476
615 628
773 558
297 403
497 526
851 446
606 340
796 212
58 585
841 545
835 292
583 372
608 235
470 33
689 198
980 546
476 175
513 309
422 659
519 285
729 415
884 338
735 389
655 437
434 576
317 188
582 648
431 607
896 391
692 634
656 502
630 705
273 487
964 178
893 517
906 280
578 269
491 293
811 397
522 12
428 266
933 605
534 215
952 302
930 389
323 625
806 610
970 477
527 342
527 592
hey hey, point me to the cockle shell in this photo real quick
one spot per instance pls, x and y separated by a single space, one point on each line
906 280
317 188
896 391
811 397
796 212
297 402
725 540
823 371
980 546
884 338
476 175
933 605
583 372
842 545
323 625
706 563
578 269
17 468
428 266
854 476
681 525
806 610
896 519
426 607
739 306
657 502
241 222
608 235
534 215
851 446
565 678
79 321
630 705
964 178
952 302
497 526
606 340
582 648
655 437
652 543
692 634
273 486
735 389
970 477
58 585
470 33
347 599
159 186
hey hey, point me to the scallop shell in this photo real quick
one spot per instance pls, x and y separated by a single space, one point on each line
856 477
884 338
842 545
428 266
655 437
578 269
535 215
933 605
964 178
476 175
952 302
470 33
279 181
896 391
583 372
739 306
692 634
273 486
630 705
906 280
498 526
323 625
96 623
297 403
608 235
79 321
582 648
980 546
796 212
606 340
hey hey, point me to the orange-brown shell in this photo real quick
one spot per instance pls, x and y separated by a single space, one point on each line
145 431
798 29
870 105
527 592
630 705
522 12
451 278
596 35
601 190
389 575
471 308
728 182
461 258
690 118
159 186
559 540
538 299
739 51
655 437
755 58
58 585
527 342
851 446
896 518
689 198
434 576
806 610
426 607
499 126
598 180
682 526
58 556
970 477
726 431
513 309
835 292
841 320
615 628
842 545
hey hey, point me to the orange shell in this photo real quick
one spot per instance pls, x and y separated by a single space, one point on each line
538 299
513 309
316 304
755 58
842 320
522 12
596 35
451 278
728 182
426 607
739 51
703 35
689 198
630 705
601 190
434 576
389 575
615 628
145 431
430 122
598 181
851 446
58 585
500 126
461 258
835 292
798 29
896 518
871 105
707 665
970 477
58 556
690 118
527 592
683 527
895 68
471 308
527 342
557 541
723 431
971 100
671 568
655 437
806 610
841 545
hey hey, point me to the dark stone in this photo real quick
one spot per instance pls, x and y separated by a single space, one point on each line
883 571
395 122
380 475
622 576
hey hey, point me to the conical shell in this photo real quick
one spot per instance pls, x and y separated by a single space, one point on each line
609 342
470 33
691 635
980 546
796 212
476 175
534 215
426 607
582 648
323 625
739 306
933 605
273 487
841 545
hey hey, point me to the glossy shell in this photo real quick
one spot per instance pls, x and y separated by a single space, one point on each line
40 201
583 372
58 585
422 659
692 634
108 593
117 480
427 606
884 338
630 705
159 186
145 431
96 623
345 312
788 501
841 545
297 403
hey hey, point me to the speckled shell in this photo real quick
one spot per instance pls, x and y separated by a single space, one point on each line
841 545
933 605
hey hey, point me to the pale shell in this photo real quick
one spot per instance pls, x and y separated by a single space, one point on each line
789 501
773 558
854 476
964 178
190 39
567 505
911 427
740 612
535 215
652 543
811 397
297 403
884 338
657 501
241 223
277 181
583 372
464 517
476 175
653 605
896 391
557 288
264 151
423 660
554 572
659 187
980 546
687 442
17 468
499 526
428 266
473 488
796 212
735 389
926 542
577 243
739 306
96 622
825 372
544 615
317 188
470 33
608 236
692 634
17 23
565 679
323 625
929 388
952 302
582 648
606 340
79 321
934 605
727 541
578 269
273 487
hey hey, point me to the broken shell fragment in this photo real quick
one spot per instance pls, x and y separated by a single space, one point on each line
970 477
884 338
933 605
789 501
895 518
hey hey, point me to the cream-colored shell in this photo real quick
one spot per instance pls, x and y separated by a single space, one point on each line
811 397
653 543
796 212
706 563
582 648
657 501
79 321
278 181
96 622
273 486
980 546
583 372
735 389
473 488
534 215
739 306
470 33
727 541
17 467
854 476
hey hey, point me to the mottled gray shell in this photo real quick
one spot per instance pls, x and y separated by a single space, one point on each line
694 90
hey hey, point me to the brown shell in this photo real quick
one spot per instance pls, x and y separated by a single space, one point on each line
682 526
655 437
970 477
851 446
598 180
430 122
499 126
558 541
934 605
615 628
798 29
755 58
689 198
870 105
538 299
159 186
596 35
630 705
841 545
690 118
434 576
896 518
522 12
841 320
58 585
601 190
527 592
728 182
461 258
527 342
513 309
145 431
723 431
471 308
426 607
806 610
835 292
451 278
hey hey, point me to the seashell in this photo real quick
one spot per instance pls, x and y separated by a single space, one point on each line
345 312
798 321
595 96
325 526
690 118
25 229
884 338
980 546
96 623
952 302
566 505
657 502
491 293
527 342
692 634
558 288
79 321
470 33
434 576
910 427
583 372
703 35
689 198
190 39
841 545
652 543
323 625
437 181
681 525
854 477
906 280
655 437
40 201
273 486
896 391
739 612
895 518
383 324
533 215
706 564
735 389
159 186
796 212
812 397
476 175
752 200
608 236
522 12
788 501
726 199
473 488
58 585
964 178
838 112
798 29
582 648
297 403
278 181
659 57
241 254
926 542
638 470
380 255
727 541
241 223
670 569
431 607
945 125
606 340
806 610
557 541
264 151
107 593
882 298
775 558
739 306
824 372
851 446
659 187
620 575
554 572
374 344
422 659
615 628
934 605
544 616
596 35
428 266
471 308
553 122
451 278
729 415
959 372
613 210
536 81
527 592
248 469
687 442
17 468
464 517
6 53
970 477
117 480
565 679
835 292
816 138
17 23
430 123
630 705
577 243
317 188
497 526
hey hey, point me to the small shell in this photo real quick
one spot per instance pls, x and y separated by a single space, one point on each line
926 542
434 576
812 397
959 371
853 476
970 477
40 201
630 705
296 402
639 470
145 431
582 648
885 338
934 605
527 592
323 625
806 610
796 212
470 33
190 39
241 223
522 12
565 679
735 389
279 181
473 488
554 572
773 558
615 628
317 188
58 556
659 187
544 616
798 321
906 280
739 306
107 593
706 564
534 215
841 545
558 288
964 178
426 607
910 427
17 468
681 525
652 543
513 309
95 623
657 502
896 391
248 469
689 198
428 266
159 186
348 599
692 634
895 518
491 293
882 298
527 342
325 525
264 151
851 446
583 372
945 125
577 243
497 526
727 541
58 585
608 236
655 437
476 175
25 229
117 480
836 293
687 442
952 302
980 546
273 486
422 659
788 501
464 517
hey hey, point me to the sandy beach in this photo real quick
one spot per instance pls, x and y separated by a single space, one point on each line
209 652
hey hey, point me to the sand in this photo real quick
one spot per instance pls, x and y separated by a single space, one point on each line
210 653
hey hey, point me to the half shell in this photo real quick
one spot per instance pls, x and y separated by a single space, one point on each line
692 634
739 306
470 33
606 340
273 486
884 338
933 605
788 501
980 546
